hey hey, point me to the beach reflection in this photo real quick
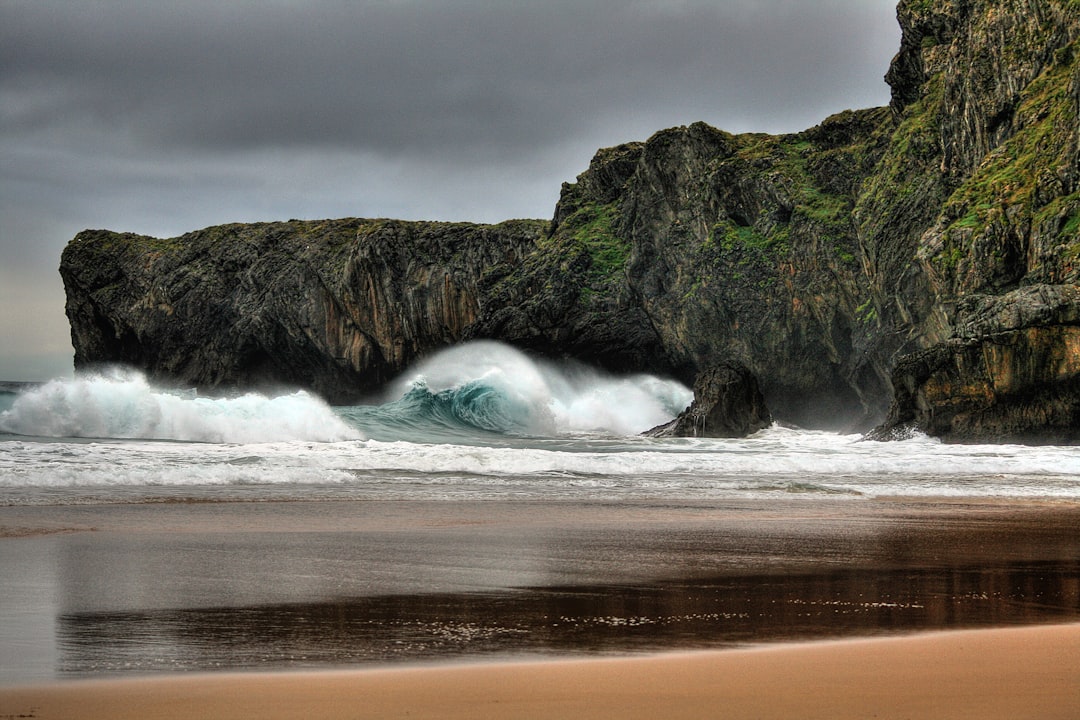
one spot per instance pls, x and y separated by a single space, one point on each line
137 589
606 619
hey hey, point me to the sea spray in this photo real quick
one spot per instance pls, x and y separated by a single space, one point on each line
492 387
123 405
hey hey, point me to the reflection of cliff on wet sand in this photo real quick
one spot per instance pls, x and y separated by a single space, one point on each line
446 581
574 620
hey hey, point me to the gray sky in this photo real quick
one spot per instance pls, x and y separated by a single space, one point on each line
160 118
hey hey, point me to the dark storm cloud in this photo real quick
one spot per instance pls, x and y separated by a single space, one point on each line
166 117
416 77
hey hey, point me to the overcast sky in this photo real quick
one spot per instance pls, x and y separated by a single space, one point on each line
165 117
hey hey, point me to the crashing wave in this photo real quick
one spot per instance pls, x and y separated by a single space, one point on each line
122 405
488 387
471 390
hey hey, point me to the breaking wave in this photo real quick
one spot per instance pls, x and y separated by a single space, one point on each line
488 387
473 390
123 405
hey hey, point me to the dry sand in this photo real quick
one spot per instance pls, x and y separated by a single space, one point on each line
1031 672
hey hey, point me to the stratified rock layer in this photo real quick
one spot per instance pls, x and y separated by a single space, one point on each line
1012 375
946 222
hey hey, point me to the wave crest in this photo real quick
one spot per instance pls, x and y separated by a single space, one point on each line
489 387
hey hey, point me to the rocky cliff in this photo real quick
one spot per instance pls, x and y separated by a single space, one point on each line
989 94
946 223
338 306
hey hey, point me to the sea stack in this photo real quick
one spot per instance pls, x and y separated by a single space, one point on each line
727 404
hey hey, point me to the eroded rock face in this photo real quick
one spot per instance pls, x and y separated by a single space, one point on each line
727 404
990 94
1018 386
1012 374
700 244
1027 307
339 306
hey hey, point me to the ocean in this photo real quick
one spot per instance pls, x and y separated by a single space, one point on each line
490 505
480 421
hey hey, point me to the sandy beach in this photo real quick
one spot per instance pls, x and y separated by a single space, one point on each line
986 674
796 608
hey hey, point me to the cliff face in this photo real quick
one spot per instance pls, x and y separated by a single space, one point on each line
947 223
698 246
339 306
988 93
986 96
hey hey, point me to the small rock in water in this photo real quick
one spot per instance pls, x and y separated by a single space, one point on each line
727 403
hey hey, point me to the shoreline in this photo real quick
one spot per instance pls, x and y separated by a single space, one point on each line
1027 672
115 590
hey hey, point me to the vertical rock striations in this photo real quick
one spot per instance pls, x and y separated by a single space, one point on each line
698 246
337 306
990 93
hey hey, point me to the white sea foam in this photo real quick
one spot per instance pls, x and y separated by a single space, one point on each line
123 405
773 461
551 398
583 443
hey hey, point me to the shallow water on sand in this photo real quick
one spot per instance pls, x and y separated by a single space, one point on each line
158 589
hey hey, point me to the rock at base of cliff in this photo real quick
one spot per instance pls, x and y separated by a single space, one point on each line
1015 386
727 404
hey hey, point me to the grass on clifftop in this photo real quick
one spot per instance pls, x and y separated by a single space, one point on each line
1009 180
794 156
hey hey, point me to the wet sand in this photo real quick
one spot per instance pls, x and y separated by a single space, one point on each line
117 591
985 674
